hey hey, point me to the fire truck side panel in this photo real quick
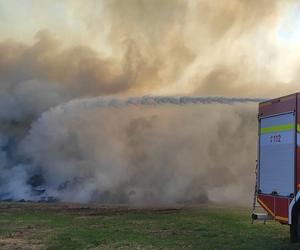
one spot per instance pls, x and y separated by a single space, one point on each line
281 208
297 188
277 154
276 206
278 105
296 198
279 158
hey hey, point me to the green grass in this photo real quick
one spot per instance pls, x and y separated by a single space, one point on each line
190 228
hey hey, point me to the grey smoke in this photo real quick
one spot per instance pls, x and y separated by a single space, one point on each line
139 150
55 143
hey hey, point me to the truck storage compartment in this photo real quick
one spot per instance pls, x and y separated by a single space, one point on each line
277 154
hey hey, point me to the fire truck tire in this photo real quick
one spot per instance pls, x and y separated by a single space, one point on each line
293 236
295 227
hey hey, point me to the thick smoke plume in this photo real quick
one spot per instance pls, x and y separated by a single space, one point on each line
149 150
141 47
69 131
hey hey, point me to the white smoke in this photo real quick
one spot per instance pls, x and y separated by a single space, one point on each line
149 149
140 150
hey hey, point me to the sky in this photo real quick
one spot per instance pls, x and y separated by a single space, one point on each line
194 47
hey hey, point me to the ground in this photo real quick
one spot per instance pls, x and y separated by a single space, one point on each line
71 226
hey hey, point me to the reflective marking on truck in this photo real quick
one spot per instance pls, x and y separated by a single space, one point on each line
277 128
281 218
298 135
298 128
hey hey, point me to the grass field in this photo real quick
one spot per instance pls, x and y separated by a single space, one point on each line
66 226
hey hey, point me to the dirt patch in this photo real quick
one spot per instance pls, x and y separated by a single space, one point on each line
84 209
21 238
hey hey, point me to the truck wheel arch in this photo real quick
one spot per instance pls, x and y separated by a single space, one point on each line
295 211
294 208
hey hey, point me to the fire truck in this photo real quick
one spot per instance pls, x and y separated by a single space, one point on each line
277 188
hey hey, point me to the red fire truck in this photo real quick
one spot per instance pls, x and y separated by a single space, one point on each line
278 165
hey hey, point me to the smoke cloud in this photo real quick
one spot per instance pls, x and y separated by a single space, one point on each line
70 131
174 47
150 150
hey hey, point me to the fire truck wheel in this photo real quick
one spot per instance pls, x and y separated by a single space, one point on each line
295 228
298 227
